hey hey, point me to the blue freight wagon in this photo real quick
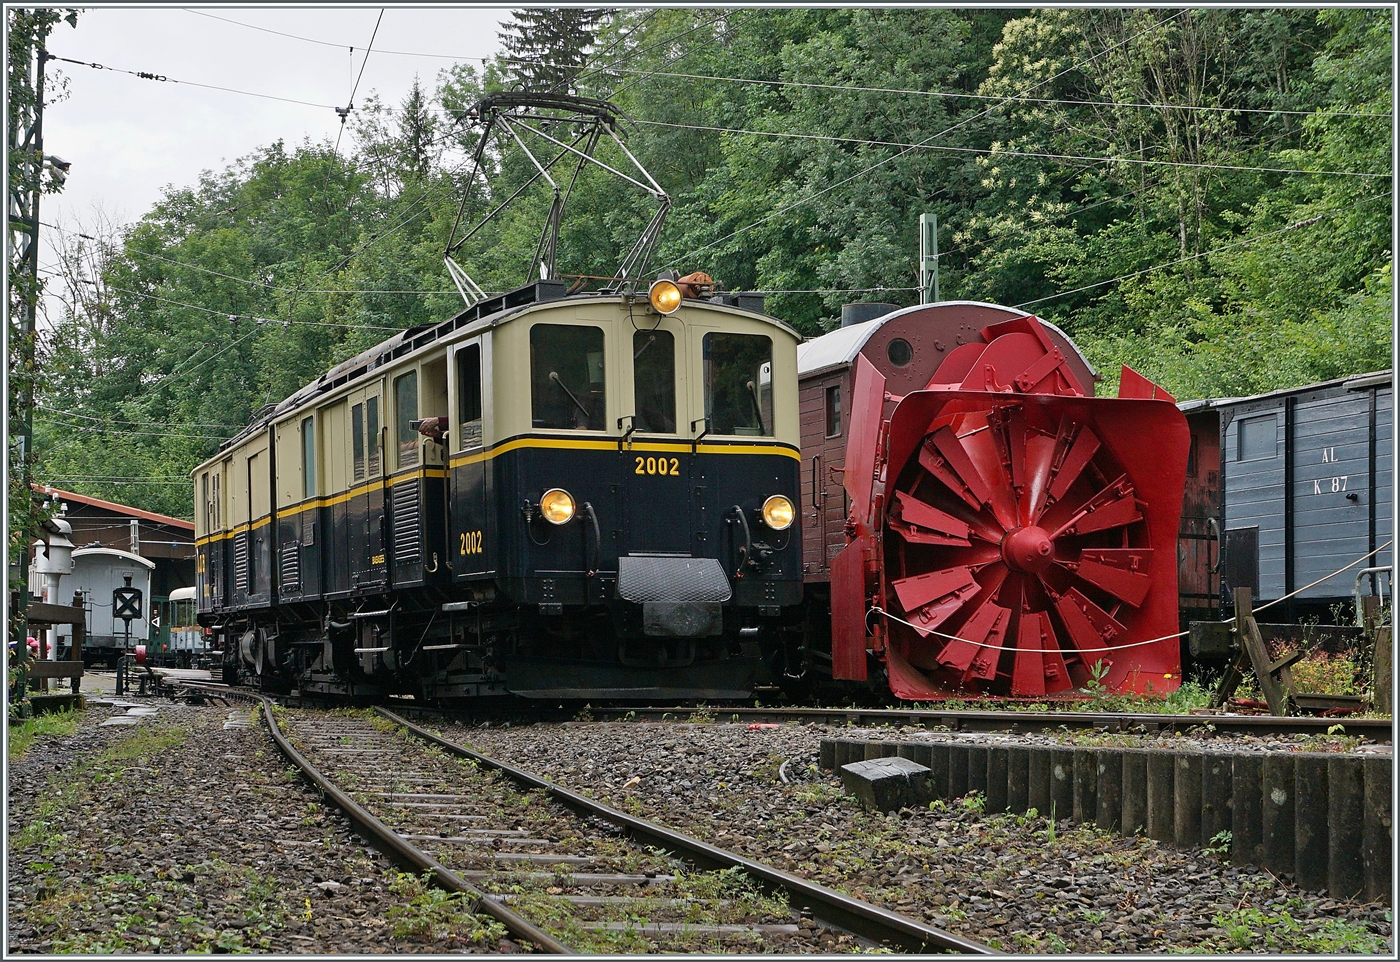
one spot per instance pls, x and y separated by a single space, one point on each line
1305 490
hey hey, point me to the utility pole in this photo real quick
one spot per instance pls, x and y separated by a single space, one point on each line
928 258
27 141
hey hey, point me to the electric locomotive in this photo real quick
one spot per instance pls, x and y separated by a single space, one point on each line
553 496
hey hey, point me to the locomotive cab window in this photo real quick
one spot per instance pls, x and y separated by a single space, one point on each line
566 377
654 381
405 413
738 379
1258 439
469 396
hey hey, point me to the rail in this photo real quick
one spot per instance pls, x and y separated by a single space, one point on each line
388 841
861 918
1372 729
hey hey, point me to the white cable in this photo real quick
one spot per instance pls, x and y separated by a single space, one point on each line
1136 644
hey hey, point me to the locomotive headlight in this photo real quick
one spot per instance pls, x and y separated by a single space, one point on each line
778 513
556 506
665 296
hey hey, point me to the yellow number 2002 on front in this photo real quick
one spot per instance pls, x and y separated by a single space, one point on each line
470 543
670 466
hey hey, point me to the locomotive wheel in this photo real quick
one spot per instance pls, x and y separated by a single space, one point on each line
1015 549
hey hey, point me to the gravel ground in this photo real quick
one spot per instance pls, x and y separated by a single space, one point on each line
180 835
1018 883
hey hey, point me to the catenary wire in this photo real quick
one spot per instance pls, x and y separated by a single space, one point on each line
241 280
850 88
350 105
861 173
1243 242
147 75
159 424
1002 152
86 429
233 315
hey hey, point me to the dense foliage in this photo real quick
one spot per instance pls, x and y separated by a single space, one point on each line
1203 194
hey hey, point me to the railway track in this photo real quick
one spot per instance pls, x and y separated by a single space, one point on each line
1371 729
560 870
1379 730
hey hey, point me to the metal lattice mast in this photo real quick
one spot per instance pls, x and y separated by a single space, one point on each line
26 142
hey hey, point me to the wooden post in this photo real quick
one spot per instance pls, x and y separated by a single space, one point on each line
1382 656
1253 644
79 634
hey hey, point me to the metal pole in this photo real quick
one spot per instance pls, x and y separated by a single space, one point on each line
928 259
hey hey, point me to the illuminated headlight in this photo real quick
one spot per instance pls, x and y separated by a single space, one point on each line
778 513
556 506
665 296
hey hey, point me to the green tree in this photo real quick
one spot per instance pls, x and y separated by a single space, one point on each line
26 32
546 48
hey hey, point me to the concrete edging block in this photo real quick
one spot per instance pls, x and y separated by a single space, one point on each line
1346 826
1109 815
1278 804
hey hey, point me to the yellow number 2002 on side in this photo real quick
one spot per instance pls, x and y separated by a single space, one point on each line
669 466
470 543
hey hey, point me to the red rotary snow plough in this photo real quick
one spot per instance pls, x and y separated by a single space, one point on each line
1010 534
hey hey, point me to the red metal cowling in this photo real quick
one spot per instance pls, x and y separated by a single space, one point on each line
1020 535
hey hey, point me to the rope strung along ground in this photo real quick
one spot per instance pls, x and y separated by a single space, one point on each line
876 609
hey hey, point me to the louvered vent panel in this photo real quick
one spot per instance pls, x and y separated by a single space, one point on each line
408 539
240 561
291 566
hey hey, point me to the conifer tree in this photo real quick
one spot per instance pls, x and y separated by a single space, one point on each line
547 48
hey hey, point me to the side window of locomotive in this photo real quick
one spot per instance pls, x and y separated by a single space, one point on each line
405 413
308 457
469 396
833 411
738 376
654 381
357 440
372 433
1258 439
566 377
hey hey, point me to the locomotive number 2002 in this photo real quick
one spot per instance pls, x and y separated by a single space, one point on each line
470 543
670 466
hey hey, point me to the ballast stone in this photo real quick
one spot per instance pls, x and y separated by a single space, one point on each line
888 784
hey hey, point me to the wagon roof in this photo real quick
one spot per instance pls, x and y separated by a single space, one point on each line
840 347
1354 382
126 556
488 313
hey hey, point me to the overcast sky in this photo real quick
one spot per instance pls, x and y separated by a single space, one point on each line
128 138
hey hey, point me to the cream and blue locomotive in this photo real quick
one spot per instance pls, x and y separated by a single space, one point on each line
553 496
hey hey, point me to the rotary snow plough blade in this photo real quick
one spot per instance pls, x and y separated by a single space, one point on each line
1022 536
